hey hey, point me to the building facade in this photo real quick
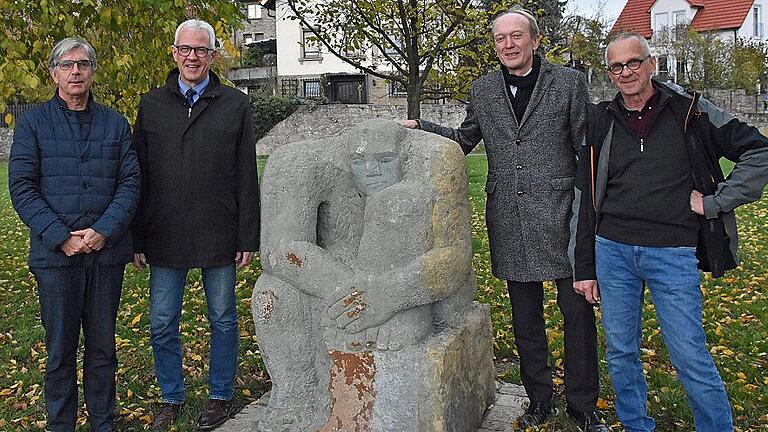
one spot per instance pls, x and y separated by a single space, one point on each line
662 20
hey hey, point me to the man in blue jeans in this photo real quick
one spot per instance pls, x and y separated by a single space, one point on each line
74 181
654 206
199 208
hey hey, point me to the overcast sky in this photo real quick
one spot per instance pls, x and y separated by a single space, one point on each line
610 8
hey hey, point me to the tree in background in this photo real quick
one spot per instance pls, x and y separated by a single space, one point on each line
424 45
585 42
707 61
549 14
132 38
706 57
752 61
252 56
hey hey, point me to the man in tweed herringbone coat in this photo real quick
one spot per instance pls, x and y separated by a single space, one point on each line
530 114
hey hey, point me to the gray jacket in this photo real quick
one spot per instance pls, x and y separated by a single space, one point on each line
531 169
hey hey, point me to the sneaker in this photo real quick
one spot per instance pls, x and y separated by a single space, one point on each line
166 416
215 413
536 414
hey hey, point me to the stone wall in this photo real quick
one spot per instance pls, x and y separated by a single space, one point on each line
316 121
6 136
733 101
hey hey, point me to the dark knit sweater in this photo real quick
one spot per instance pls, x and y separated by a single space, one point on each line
647 201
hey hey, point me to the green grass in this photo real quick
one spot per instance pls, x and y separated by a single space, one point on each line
735 309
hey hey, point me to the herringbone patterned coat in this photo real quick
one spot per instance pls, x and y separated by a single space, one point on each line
531 167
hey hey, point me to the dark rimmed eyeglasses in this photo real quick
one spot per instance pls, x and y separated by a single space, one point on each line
67 65
185 50
633 64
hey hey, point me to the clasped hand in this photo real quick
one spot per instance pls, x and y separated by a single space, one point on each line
83 241
355 307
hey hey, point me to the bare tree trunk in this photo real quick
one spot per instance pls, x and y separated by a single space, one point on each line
414 104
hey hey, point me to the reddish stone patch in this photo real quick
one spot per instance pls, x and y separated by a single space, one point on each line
294 259
352 298
352 394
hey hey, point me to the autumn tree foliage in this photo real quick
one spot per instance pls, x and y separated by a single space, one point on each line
433 48
132 39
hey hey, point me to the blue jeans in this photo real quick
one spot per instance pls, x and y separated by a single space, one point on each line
166 293
673 280
83 295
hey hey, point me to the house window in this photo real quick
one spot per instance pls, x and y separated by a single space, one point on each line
258 37
660 23
680 18
247 38
312 88
397 43
757 19
680 70
397 89
662 67
310 45
254 11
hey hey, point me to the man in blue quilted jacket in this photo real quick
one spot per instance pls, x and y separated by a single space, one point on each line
74 181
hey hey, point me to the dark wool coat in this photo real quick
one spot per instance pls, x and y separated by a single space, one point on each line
200 194
61 183
531 169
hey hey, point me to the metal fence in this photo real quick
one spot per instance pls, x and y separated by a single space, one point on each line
15 110
289 87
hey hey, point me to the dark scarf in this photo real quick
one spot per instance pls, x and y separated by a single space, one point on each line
524 84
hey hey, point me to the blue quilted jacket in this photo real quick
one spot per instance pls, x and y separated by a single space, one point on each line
61 183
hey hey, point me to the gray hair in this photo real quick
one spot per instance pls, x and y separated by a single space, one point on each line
197 25
520 11
66 45
628 35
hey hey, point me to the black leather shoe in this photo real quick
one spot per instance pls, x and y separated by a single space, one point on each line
215 413
588 421
536 414
166 416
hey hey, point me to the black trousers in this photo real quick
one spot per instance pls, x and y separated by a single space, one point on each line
581 377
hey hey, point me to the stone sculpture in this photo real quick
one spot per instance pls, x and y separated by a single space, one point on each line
366 250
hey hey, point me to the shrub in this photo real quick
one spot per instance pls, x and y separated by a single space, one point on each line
271 110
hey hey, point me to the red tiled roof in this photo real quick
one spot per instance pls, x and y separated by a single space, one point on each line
721 14
635 17
712 15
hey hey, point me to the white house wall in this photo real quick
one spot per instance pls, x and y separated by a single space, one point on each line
670 7
289 50
747 29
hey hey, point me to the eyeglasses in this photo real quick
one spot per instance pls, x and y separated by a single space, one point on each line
500 38
634 64
185 50
67 65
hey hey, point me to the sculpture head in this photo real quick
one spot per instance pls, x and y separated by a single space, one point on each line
376 161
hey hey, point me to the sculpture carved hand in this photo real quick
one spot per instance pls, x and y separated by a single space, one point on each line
360 307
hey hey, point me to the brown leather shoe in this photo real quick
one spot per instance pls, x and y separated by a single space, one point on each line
166 416
215 413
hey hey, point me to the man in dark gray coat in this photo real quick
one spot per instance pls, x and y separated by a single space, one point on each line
530 114
199 208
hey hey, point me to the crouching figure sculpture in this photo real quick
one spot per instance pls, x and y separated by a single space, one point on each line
364 312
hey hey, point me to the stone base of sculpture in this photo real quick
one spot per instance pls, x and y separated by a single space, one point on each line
444 384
